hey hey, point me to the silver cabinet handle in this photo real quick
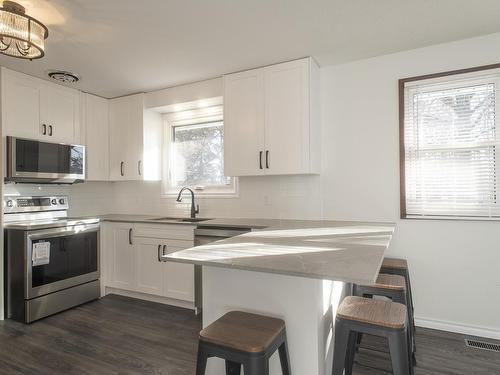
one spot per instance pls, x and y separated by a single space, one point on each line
139 167
162 254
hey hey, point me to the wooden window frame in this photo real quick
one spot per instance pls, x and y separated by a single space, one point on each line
402 150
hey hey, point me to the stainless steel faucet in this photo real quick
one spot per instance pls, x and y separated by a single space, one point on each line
194 210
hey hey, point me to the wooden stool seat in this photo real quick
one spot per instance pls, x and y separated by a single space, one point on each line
245 340
397 263
374 312
387 281
243 331
359 315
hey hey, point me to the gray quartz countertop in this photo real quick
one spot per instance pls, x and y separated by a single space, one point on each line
320 249
236 223
329 250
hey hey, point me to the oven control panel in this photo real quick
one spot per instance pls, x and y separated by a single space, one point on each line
14 204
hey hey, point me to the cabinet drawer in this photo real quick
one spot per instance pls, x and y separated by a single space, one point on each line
167 231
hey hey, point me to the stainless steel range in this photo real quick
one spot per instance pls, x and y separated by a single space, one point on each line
51 261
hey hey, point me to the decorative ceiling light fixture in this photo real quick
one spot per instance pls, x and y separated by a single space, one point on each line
21 36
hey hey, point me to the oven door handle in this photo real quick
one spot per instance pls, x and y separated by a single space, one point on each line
62 232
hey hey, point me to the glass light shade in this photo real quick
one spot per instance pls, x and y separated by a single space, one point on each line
21 36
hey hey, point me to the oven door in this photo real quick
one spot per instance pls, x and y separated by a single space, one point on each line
32 161
72 259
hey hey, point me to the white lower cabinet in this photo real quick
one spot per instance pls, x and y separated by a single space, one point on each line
179 281
120 257
149 270
134 264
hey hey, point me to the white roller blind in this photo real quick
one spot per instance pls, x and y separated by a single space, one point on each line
451 146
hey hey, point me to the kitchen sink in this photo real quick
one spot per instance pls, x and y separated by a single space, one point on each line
168 218
183 219
194 220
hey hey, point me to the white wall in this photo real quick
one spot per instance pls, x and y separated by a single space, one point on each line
270 197
454 265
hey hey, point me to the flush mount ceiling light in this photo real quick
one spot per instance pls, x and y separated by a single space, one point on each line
21 36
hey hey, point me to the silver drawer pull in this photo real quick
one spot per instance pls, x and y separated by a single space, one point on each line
162 253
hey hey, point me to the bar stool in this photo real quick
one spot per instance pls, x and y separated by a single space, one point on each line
244 339
393 287
396 266
375 317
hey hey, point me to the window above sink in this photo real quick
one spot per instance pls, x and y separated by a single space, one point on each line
194 153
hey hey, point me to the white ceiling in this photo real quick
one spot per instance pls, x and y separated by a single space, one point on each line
125 46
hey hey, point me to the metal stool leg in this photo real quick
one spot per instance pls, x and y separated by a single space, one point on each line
351 352
340 347
201 361
398 345
256 366
233 368
284 358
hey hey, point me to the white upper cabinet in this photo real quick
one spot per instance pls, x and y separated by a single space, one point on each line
61 113
244 123
270 120
95 132
37 109
21 97
135 138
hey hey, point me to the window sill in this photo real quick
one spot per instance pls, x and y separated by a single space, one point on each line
450 218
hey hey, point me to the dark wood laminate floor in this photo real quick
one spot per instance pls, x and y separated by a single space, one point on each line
119 335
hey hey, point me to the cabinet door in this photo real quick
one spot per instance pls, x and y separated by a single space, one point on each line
96 129
149 269
21 97
287 118
134 154
61 112
125 137
244 123
122 267
179 279
118 119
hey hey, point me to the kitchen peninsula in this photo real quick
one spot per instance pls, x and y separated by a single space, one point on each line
296 270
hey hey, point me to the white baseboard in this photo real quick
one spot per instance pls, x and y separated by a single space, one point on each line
458 328
151 298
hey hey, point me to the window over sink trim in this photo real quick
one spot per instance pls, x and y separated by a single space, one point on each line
191 118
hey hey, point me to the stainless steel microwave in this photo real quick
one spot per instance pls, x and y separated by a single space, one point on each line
35 161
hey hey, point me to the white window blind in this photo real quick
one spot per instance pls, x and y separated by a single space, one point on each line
451 146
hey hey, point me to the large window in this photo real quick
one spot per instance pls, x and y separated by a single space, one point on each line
195 153
450 155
